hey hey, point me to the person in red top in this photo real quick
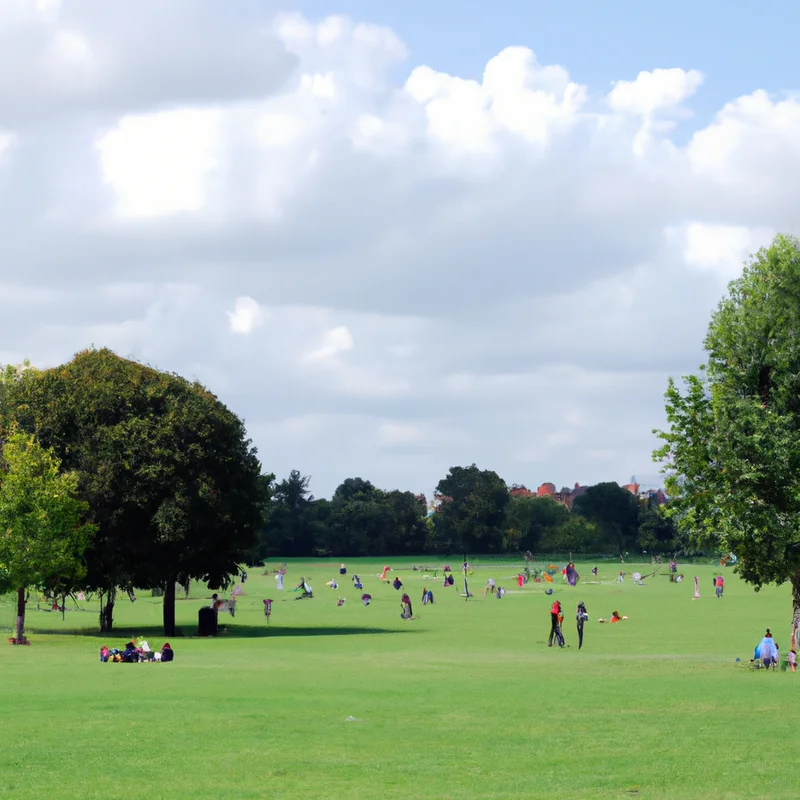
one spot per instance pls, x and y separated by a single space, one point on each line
555 613
719 584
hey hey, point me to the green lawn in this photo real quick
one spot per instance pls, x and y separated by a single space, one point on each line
465 702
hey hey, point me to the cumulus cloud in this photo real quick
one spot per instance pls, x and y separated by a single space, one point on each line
501 270
661 89
246 315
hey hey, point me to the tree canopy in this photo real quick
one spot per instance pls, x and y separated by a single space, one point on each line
173 483
43 528
731 447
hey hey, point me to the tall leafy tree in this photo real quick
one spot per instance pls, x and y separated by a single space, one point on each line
657 532
290 528
534 518
472 509
360 520
615 513
732 446
408 513
43 528
167 469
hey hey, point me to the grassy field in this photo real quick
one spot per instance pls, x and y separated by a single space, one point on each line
466 701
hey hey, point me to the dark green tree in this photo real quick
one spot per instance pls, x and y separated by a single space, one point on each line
615 513
576 534
534 517
731 450
290 528
408 512
471 511
657 532
167 470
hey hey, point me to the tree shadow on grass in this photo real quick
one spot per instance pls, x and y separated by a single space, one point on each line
155 633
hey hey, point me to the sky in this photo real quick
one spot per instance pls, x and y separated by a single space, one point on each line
394 237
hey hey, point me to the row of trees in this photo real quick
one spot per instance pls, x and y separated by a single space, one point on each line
475 512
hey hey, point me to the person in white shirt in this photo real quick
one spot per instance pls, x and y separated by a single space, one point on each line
768 651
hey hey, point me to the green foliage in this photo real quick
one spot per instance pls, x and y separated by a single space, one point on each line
615 513
481 515
472 510
43 532
167 470
360 519
657 532
534 518
731 447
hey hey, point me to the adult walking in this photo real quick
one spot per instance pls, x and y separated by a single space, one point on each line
581 616
555 625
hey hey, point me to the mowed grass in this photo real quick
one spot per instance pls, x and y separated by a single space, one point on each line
467 701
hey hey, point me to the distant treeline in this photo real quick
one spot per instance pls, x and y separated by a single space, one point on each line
473 511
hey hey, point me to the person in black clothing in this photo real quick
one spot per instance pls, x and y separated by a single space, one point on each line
581 616
166 653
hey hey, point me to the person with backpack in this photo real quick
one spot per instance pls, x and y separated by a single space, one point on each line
555 624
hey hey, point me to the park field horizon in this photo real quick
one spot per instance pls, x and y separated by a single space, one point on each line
466 700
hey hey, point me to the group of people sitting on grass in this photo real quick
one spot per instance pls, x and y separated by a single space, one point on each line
136 652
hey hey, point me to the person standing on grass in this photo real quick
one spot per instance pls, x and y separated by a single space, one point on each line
581 616
696 588
719 585
767 650
555 614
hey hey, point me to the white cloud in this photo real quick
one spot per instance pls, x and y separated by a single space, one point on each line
159 164
661 89
246 315
520 261
722 249
335 341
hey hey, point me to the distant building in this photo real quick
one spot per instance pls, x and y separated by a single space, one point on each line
566 496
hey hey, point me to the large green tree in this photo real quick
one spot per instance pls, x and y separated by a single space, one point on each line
732 446
291 526
534 519
615 513
471 511
43 528
172 480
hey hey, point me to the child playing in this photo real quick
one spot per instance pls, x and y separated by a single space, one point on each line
793 659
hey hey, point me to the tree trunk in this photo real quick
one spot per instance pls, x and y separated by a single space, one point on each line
20 634
107 612
795 609
169 607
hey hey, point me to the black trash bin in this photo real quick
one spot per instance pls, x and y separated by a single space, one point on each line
207 622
